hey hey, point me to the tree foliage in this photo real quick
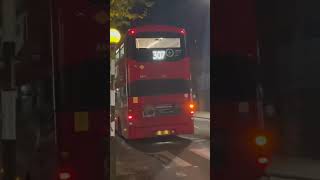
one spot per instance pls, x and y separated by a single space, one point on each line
122 12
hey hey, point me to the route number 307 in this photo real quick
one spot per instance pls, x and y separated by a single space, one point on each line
158 55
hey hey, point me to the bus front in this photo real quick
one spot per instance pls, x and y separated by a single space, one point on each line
158 91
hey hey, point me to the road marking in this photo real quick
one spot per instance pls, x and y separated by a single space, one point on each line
203 152
181 174
188 137
170 159
276 178
201 119
201 140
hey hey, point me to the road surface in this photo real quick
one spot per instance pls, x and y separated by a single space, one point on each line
293 168
185 157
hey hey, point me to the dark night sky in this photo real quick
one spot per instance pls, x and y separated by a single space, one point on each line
190 14
167 12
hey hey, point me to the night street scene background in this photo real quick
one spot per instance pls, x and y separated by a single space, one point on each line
76 105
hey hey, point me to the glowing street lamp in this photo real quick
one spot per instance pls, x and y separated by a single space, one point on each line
115 36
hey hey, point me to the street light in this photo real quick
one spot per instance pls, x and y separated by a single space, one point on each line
115 36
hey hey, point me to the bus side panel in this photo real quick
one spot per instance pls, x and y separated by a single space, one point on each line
167 70
86 148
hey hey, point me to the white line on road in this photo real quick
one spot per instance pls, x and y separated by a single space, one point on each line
201 119
188 137
203 152
172 160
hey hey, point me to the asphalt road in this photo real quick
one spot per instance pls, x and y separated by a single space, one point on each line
184 157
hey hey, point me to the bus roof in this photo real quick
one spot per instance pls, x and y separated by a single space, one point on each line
157 28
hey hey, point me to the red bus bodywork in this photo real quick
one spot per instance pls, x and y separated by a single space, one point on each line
79 36
130 120
237 122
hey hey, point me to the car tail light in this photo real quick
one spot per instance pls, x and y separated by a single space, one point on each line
64 176
191 112
131 32
130 117
261 140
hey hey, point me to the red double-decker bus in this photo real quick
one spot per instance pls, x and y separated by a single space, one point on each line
80 73
153 92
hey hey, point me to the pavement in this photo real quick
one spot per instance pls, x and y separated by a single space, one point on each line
184 157
202 124
294 168
34 149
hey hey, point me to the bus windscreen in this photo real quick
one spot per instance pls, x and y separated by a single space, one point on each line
158 47
157 43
